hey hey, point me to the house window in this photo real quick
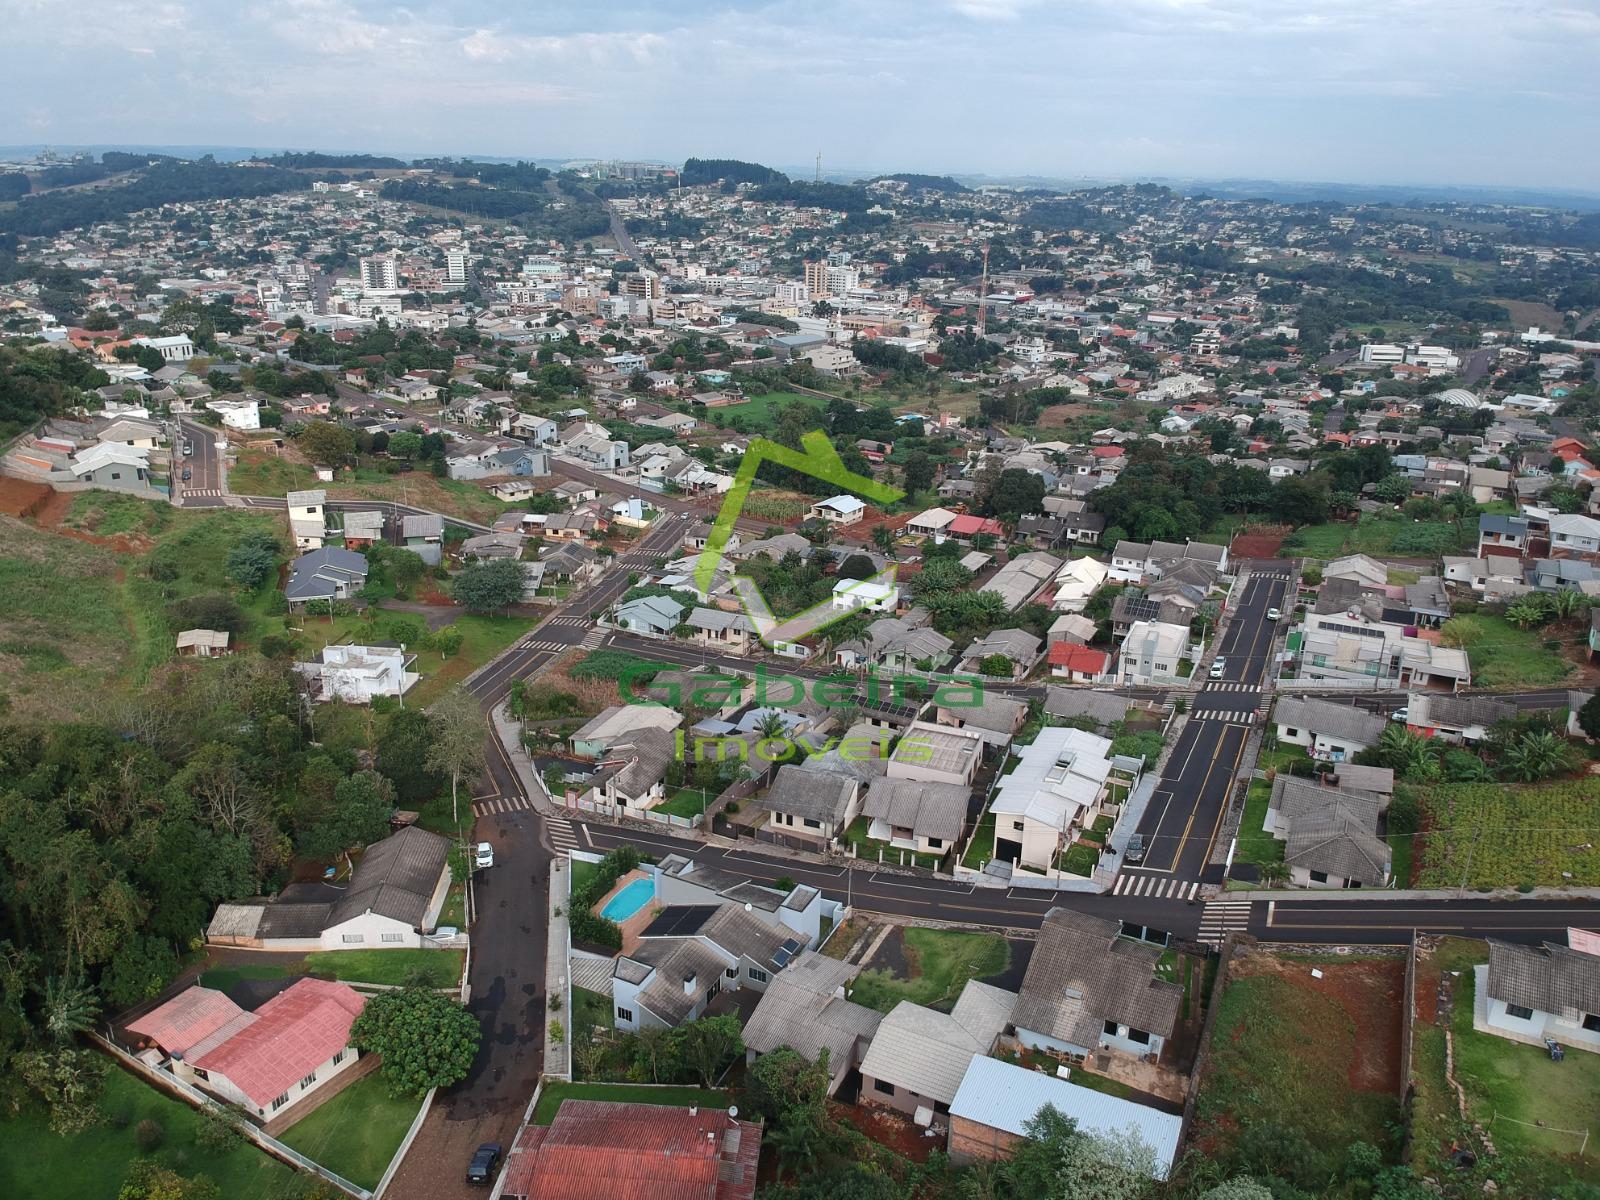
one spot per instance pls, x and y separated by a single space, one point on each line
624 1014
810 824
394 937
1319 877
308 1081
935 843
201 1073
280 1102
879 1085
1017 825
1139 1036
1294 732
353 939
338 1058
757 974
1519 1012
733 972
1591 1022
1110 1028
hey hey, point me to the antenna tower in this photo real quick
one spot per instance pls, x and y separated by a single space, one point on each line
819 167
983 295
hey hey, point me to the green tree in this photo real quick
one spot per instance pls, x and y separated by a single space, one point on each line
784 1086
996 666
150 1180
446 640
426 1039
140 968
919 472
327 444
709 1045
362 806
1015 493
405 444
487 586
403 750
1535 756
1589 716
458 739
251 561
69 1080
1242 1188
857 566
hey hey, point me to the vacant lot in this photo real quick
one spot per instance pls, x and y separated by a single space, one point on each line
1510 835
934 965
39 1165
760 413
1320 1056
1380 535
1502 655
1525 1101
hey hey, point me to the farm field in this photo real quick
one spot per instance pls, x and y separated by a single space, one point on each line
1307 1056
1484 835
1504 656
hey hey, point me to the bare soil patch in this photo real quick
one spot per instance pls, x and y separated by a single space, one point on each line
1260 542
19 498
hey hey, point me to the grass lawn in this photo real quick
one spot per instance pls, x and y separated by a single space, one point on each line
482 638
626 1093
1502 655
686 802
939 961
869 848
1080 859
357 1132
223 978
761 411
1256 845
1282 1054
1400 858
582 873
1508 835
1222 529
39 1165
262 473
1103 1084
1379 535
982 848
590 1009
442 967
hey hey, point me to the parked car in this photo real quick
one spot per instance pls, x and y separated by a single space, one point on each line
1219 668
1134 854
186 474
483 855
1401 715
481 1170
1274 614
188 448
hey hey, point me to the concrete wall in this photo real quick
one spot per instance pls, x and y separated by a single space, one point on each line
900 1099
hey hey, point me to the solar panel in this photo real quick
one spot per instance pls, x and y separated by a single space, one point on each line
680 920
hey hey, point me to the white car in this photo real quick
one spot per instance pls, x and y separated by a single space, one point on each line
1219 668
483 855
1274 614
1400 715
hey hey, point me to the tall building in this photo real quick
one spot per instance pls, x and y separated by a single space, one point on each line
381 273
791 293
643 285
817 280
455 265
842 279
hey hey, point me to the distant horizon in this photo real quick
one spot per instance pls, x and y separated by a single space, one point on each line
803 172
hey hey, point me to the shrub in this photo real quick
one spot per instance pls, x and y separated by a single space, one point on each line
148 1135
219 1131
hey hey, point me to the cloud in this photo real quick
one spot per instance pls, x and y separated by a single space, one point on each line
991 10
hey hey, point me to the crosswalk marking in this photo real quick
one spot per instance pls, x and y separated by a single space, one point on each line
1241 716
1155 887
546 646
1222 917
594 638
562 835
490 806
571 620
1227 686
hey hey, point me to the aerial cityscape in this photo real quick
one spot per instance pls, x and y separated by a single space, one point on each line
574 642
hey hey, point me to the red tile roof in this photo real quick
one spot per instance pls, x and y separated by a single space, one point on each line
635 1152
186 1020
1107 451
967 525
1077 658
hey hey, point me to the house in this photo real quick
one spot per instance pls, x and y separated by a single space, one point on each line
1329 834
243 414
362 529
308 518
1102 708
392 898
994 718
269 1060
913 815
919 1056
1500 534
838 510
868 595
1071 627
1532 994
1151 653
485 546
966 527
593 446
1077 582
1023 578
134 434
618 722
633 771
1087 988
930 523
1327 729
511 491
937 754
203 643
1457 719
358 674
655 616
997 1100
628 1151
174 349
1367 571
1018 647
805 1008
326 574
814 805
898 644
1076 663
681 880
423 535
1574 533
1058 779
688 955
109 465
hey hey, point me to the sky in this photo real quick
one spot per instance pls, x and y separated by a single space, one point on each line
1491 92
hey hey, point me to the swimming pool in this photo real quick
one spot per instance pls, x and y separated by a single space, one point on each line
629 900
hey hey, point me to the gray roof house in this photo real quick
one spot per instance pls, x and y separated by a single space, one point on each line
805 1008
915 814
1329 833
1530 993
658 615
919 1055
1021 647
813 804
1088 987
1327 729
330 573
1457 718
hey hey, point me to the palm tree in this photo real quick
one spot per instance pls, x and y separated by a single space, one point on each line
69 1008
883 539
1274 873
1409 755
771 725
795 1141
1568 603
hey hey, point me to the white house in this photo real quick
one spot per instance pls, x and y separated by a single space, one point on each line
1060 777
1531 993
838 510
1077 581
355 674
175 349
1328 730
308 520
1151 653
237 414
870 594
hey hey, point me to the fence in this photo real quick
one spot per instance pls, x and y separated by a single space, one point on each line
617 812
197 1099
1408 1018
1232 944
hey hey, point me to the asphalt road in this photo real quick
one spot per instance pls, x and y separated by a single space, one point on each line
203 488
1180 824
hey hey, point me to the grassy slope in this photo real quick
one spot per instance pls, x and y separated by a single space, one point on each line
1504 835
1504 656
357 1132
36 1164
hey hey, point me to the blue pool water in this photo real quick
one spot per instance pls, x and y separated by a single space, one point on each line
629 900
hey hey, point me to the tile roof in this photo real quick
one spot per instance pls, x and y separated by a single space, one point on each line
802 1009
927 1051
927 809
1083 974
635 1152
1329 719
820 795
396 877
189 1018
1551 978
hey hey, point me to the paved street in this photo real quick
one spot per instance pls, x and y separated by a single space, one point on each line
204 487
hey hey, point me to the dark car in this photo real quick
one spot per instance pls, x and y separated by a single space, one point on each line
480 1171
186 474
1135 851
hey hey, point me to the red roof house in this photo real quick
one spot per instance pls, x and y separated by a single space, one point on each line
266 1059
634 1152
1082 664
967 525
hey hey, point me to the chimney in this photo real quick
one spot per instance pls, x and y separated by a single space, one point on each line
688 983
